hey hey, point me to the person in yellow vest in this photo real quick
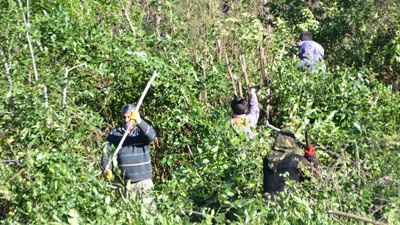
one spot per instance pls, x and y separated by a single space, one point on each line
245 116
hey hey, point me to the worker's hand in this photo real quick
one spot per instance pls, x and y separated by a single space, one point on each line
135 117
253 88
309 151
107 175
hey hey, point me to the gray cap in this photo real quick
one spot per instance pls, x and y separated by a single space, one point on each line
127 108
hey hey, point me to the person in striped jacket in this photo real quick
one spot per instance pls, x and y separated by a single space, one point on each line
134 160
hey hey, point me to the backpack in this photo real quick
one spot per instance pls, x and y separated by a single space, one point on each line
241 121
284 144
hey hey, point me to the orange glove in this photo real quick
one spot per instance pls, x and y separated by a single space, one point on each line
135 117
309 151
107 175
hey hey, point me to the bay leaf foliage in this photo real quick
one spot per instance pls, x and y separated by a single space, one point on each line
69 66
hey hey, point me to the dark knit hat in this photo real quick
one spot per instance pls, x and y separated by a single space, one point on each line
306 36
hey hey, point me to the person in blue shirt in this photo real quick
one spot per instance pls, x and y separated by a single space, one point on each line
311 53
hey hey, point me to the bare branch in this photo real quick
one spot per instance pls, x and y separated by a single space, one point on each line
15 155
29 41
272 127
219 49
6 66
9 160
352 216
46 97
127 17
64 98
244 69
240 89
158 22
262 65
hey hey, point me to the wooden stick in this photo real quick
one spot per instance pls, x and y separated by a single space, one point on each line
145 90
158 22
127 17
46 97
127 130
244 70
9 160
262 65
29 43
219 49
265 82
272 127
64 98
194 213
358 164
352 216
230 74
240 89
190 151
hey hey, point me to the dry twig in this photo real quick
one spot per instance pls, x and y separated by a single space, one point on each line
28 37
352 216
127 17
67 70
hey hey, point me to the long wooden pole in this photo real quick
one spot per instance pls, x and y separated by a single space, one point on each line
130 122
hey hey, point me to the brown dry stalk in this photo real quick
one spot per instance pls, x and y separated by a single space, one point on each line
352 216
262 65
230 74
244 69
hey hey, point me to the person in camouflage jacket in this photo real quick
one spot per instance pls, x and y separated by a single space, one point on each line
285 157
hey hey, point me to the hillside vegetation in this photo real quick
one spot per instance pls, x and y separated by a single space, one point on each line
67 68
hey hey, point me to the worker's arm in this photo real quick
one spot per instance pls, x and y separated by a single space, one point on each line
105 157
254 110
147 134
310 163
106 154
311 156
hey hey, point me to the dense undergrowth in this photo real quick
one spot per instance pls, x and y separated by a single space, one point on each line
205 172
